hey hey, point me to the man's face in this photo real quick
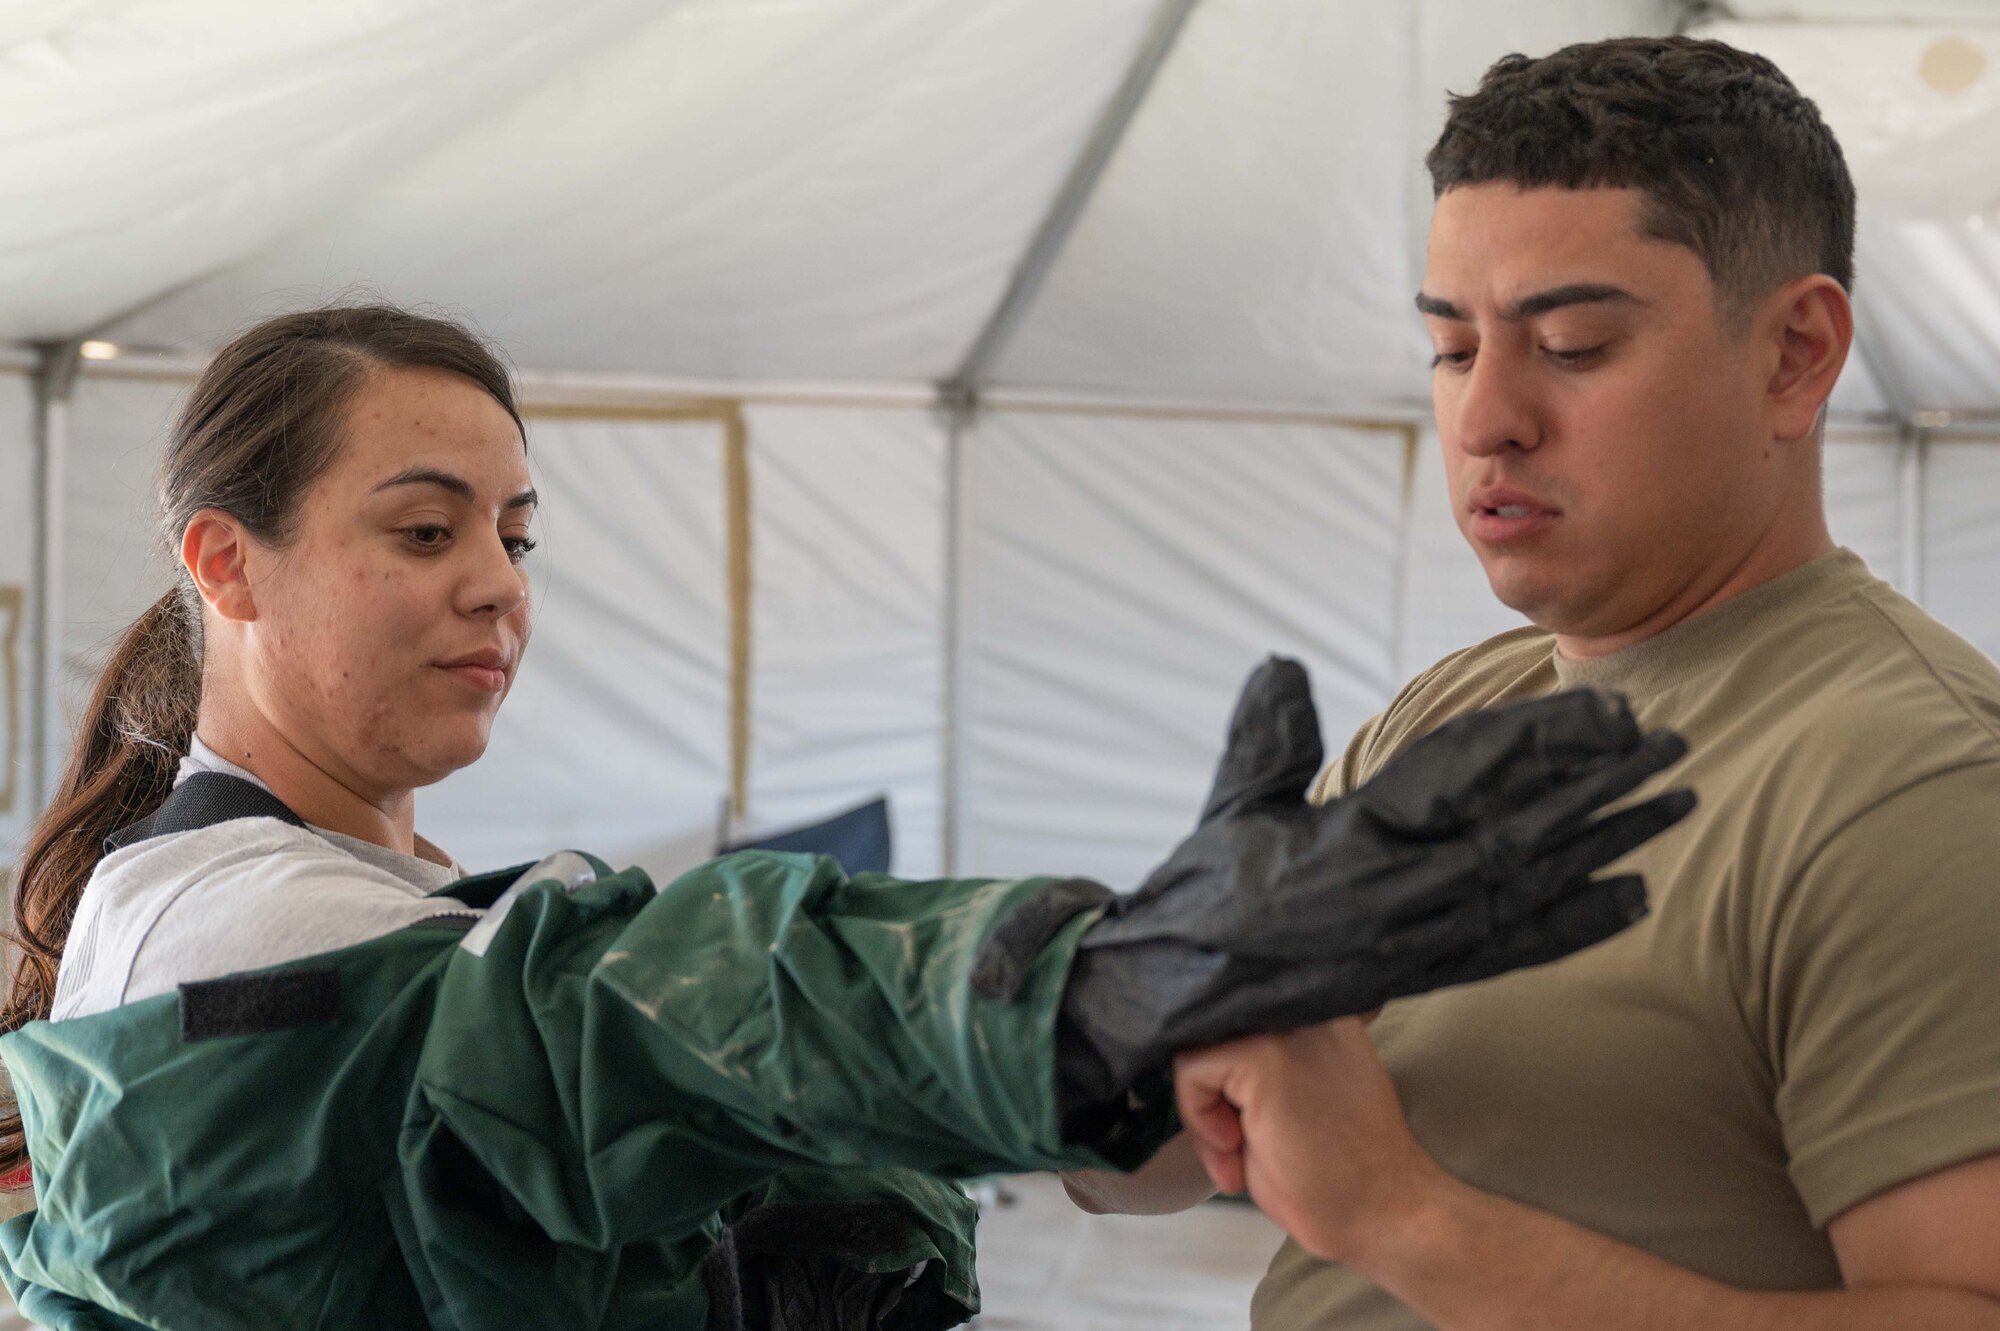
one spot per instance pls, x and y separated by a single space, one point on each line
1602 428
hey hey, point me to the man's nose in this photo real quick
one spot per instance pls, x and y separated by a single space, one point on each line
1494 408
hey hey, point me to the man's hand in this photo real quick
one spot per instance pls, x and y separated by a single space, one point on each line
1308 1122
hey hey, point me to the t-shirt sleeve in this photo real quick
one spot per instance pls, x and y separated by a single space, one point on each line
266 900
1884 987
1345 772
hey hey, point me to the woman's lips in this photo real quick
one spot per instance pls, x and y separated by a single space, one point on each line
487 679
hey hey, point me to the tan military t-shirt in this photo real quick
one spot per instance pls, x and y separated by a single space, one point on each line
1811 1013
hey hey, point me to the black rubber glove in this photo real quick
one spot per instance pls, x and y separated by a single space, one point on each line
1467 855
793 1267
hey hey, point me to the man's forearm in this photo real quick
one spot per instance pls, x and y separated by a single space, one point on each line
1470 1261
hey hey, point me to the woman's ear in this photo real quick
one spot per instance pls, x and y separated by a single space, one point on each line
1814 325
212 551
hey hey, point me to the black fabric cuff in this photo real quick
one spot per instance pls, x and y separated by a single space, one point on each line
1009 953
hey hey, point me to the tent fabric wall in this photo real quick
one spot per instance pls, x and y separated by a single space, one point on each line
110 559
1961 506
847 653
616 735
1121 577
615 738
17 501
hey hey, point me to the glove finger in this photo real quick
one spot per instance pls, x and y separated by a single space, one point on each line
1594 845
1483 763
1588 912
1550 820
1274 749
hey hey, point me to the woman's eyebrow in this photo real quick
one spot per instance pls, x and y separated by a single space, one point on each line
443 480
454 485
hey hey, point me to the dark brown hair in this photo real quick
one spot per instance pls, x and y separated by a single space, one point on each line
261 425
1735 163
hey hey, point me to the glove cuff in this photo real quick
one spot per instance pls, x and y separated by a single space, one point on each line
1009 952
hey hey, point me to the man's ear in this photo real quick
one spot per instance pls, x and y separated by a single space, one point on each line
1814 325
213 551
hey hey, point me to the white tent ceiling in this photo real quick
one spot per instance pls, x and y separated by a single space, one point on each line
842 190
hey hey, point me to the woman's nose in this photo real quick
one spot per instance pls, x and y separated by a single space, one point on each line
494 586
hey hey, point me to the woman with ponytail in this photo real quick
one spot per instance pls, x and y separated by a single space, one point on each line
279 1061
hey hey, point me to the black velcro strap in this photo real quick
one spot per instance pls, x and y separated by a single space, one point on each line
806 1234
259 1004
204 799
866 1227
1010 951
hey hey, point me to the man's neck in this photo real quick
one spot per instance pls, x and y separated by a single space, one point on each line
1769 559
245 737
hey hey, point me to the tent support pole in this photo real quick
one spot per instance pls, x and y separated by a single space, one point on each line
958 393
56 369
1069 203
1914 462
1399 613
952 773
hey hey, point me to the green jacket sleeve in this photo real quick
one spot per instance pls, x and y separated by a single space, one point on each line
624 1062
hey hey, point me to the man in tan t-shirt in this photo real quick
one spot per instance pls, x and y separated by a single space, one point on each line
1775 1103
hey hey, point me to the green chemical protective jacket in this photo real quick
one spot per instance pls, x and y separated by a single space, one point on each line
551 1120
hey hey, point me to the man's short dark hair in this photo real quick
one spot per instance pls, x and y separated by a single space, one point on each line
1734 162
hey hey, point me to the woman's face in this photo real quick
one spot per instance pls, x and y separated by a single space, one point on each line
387 633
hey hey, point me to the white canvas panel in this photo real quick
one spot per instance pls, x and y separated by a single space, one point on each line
848 649
147 143
804 189
112 562
1122 576
16 605
1249 240
1863 476
1913 104
1929 290
615 739
1863 11
1962 538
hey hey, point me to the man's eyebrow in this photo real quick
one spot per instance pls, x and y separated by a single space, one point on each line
1576 293
1528 307
1438 309
453 485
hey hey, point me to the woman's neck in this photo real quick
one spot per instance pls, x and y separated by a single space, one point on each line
316 790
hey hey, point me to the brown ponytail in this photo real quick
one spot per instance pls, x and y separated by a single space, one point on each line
260 426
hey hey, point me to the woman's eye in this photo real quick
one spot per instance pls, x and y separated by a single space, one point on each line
428 537
518 547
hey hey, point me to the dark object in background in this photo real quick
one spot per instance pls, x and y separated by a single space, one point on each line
858 838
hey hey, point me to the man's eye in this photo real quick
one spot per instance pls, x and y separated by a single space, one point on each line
1451 360
1573 359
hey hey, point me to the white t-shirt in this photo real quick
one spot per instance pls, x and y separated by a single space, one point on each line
232 897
